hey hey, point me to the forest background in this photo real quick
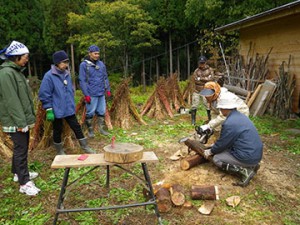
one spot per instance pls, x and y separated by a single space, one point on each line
143 39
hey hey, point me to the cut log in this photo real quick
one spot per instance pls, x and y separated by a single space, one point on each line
160 185
177 195
197 147
163 200
204 192
123 152
191 161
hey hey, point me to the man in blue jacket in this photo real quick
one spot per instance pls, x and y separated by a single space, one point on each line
93 81
239 148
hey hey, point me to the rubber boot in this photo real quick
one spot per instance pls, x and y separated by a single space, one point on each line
208 114
246 174
59 148
193 116
85 147
101 124
89 122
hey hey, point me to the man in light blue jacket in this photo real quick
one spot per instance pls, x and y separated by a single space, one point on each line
94 83
57 96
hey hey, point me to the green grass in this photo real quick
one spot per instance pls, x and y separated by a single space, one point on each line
268 125
17 209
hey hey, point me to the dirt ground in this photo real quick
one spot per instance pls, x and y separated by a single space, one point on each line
271 198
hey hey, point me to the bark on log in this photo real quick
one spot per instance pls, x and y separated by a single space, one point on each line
163 200
191 161
177 195
204 192
197 147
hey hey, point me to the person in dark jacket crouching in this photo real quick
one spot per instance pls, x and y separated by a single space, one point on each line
57 96
239 148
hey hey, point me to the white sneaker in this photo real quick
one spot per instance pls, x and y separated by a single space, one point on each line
32 175
29 189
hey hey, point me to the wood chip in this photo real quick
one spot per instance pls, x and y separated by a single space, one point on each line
233 201
207 207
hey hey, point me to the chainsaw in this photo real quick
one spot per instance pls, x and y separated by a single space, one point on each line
200 134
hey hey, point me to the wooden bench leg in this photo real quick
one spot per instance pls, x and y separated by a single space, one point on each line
61 195
148 181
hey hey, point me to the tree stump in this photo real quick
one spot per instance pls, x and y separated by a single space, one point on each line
123 152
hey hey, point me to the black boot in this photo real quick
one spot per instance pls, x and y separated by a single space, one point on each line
246 174
208 114
85 147
59 148
193 116
89 122
101 124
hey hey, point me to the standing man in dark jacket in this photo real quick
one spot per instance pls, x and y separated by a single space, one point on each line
93 80
239 148
57 96
17 114
202 74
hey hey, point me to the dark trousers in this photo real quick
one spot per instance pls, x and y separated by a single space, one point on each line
20 154
58 128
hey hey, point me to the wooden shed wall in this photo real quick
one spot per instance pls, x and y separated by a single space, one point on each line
283 35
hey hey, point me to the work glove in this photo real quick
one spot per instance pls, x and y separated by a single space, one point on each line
24 130
49 115
205 127
87 99
108 94
207 153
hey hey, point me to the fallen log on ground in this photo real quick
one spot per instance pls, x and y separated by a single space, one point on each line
191 161
204 192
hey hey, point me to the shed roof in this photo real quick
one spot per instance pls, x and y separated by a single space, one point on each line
272 14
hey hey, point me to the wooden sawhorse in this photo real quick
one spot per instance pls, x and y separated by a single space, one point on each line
95 160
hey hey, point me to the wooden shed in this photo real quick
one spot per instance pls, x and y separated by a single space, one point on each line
279 29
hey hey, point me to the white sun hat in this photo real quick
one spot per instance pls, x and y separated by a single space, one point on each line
227 100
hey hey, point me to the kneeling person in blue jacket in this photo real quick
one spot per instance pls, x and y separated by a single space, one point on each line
57 96
239 148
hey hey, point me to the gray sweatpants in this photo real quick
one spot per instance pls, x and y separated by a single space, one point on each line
226 158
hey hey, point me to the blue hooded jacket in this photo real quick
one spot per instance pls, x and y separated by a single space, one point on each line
93 78
56 92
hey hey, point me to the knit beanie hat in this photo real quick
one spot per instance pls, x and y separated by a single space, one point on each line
59 56
94 48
